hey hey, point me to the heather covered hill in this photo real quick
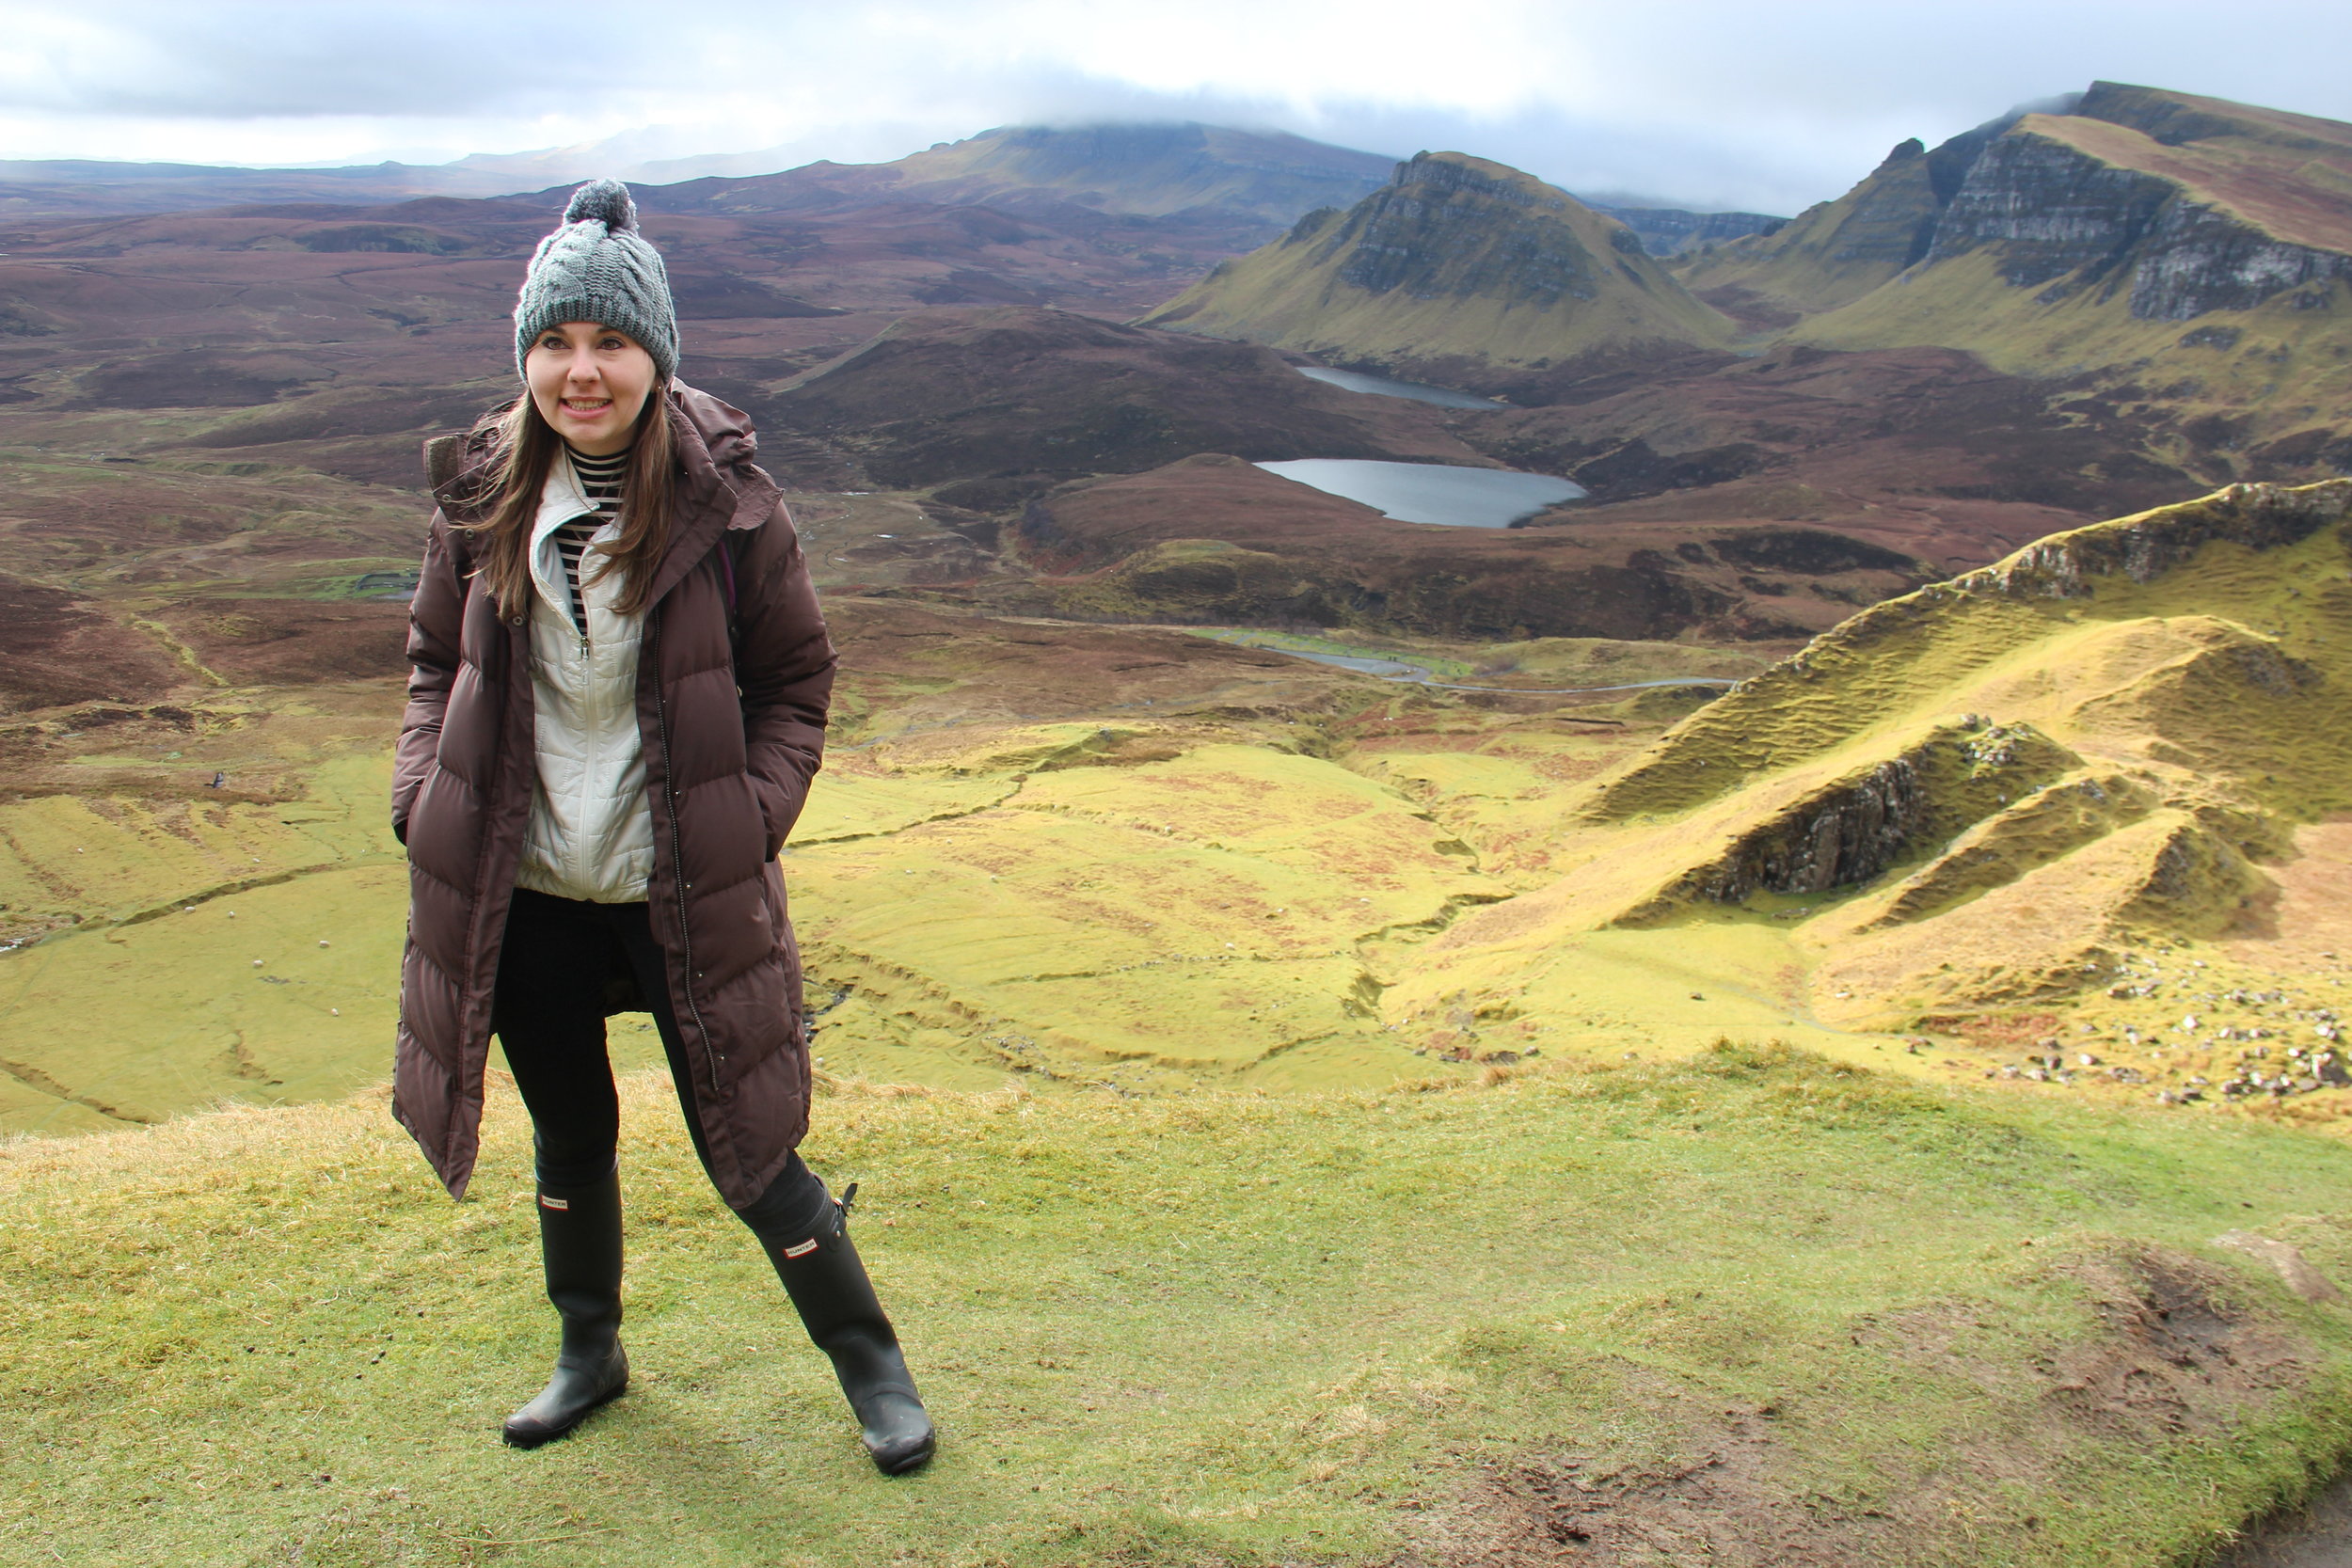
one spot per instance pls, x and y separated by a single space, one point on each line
1459 271
1038 395
335 338
1925 452
1213 538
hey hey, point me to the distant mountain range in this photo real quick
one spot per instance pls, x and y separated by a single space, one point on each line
1169 170
2187 259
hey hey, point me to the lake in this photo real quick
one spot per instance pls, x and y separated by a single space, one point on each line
1432 492
1380 386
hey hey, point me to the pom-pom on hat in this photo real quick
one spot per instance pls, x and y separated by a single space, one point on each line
596 267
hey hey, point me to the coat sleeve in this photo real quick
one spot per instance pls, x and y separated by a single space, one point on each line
783 666
436 617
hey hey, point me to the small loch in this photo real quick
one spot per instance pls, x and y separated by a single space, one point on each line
1380 386
1432 492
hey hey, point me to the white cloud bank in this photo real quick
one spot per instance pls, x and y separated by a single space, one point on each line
1706 102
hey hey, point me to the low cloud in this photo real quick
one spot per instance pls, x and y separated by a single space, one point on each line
1700 102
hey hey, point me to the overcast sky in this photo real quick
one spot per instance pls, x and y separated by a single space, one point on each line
1747 104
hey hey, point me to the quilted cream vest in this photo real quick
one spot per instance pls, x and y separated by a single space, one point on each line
591 833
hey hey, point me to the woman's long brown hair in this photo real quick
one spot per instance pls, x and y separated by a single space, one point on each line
522 448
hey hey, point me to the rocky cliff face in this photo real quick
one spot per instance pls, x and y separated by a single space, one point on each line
1838 251
1446 228
2179 206
2070 248
1458 270
2059 213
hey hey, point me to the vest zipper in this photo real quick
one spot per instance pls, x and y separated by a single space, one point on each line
677 863
589 705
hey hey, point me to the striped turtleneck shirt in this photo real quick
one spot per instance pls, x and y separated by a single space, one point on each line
600 481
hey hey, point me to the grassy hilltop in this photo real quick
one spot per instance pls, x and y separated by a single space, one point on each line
1753 1308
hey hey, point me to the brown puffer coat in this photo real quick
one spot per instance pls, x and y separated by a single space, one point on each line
734 727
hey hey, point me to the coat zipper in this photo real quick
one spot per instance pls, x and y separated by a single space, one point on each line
677 862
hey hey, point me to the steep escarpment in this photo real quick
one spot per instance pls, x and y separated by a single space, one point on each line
1834 253
1829 254
2107 207
1460 270
2181 260
2183 205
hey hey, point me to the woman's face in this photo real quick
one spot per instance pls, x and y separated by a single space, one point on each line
590 383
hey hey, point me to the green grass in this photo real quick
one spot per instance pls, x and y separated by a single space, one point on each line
1225 1329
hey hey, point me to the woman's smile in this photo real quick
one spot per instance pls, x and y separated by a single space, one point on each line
590 383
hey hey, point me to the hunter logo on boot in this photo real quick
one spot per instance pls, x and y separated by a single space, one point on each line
546 1202
801 1249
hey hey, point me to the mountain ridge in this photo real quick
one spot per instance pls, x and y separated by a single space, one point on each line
2075 247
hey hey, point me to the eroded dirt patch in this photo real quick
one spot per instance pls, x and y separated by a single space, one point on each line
2170 1354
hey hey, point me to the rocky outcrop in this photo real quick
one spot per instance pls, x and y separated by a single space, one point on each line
2199 258
1849 835
1447 227
2143 548
2054 211
1837 251
1855 829
1891 219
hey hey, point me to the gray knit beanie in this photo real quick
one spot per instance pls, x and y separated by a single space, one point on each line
596 267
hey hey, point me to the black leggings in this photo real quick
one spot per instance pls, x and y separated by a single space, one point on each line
548 1015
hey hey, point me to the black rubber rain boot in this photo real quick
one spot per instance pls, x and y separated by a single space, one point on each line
580 1238
826 1280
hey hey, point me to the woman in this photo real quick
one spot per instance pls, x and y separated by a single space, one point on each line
617 703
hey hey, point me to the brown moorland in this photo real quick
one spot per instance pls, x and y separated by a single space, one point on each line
1138 546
